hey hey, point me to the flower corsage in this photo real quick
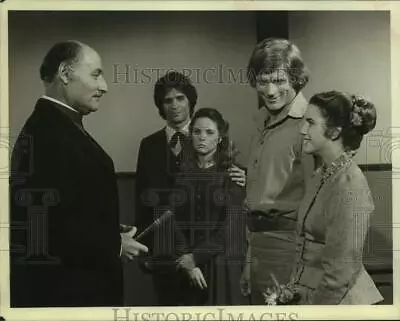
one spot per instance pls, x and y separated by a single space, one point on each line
281 294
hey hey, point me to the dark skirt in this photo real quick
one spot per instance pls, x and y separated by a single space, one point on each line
222 276
223 280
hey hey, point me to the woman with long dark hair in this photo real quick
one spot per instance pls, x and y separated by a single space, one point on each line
210 225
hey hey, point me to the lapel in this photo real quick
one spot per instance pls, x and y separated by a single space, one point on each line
312 191
102 156
316 188
164 160
160 147
80 140
165 154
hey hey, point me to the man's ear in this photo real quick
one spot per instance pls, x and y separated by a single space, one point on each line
63 72
333 133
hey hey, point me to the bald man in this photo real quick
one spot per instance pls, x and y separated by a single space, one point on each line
63 190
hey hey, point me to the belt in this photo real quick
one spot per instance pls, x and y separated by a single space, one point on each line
258 221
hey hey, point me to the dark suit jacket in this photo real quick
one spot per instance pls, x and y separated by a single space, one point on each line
156 167
153 162
64 197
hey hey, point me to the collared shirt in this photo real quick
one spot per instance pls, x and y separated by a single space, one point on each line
59 102
171 131
73 114
277 166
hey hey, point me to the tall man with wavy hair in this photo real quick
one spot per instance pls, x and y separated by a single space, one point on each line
276 165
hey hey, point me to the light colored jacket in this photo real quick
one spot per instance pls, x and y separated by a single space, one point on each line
333 221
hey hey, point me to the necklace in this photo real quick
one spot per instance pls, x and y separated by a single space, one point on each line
341 161
206 164
326 172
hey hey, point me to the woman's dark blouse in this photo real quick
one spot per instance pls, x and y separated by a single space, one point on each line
210 224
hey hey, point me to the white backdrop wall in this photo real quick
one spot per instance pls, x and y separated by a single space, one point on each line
205 44
344 50
350 51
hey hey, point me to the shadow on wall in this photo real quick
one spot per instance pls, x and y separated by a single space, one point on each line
378 248
138 287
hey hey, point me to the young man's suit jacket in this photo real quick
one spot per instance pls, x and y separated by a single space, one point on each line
156 167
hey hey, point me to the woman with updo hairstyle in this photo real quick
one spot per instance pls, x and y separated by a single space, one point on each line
210 227
333 218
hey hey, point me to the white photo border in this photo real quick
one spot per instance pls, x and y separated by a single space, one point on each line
206 313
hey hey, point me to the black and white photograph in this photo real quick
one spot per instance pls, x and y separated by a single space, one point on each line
181 164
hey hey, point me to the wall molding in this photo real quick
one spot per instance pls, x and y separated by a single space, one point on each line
378 167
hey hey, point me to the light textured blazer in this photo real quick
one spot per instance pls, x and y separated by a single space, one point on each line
333 221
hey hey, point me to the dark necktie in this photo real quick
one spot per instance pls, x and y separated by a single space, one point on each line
178 136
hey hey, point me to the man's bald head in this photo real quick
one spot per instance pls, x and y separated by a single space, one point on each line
73 74
68 52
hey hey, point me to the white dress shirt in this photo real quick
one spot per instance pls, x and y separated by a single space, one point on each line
58 102
171 132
